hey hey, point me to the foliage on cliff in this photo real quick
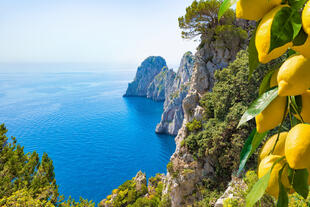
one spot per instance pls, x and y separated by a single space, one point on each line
219 138
201 16
25 180
129 195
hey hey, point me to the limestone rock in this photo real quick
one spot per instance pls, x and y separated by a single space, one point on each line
185 173
159 87
146 73
172 117
140 180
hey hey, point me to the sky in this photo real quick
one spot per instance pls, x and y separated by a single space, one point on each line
114 33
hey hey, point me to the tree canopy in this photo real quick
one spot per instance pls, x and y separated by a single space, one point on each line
201 16
27 181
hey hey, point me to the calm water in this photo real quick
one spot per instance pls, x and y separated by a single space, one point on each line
96 138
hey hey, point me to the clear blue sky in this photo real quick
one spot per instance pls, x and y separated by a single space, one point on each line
91 31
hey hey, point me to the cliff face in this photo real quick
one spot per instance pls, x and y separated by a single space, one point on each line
146 73
172 117
160 86
185 173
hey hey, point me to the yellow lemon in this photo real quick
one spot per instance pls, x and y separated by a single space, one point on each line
268 146
294 76
262 38
303 49
254 10
271 116
273 80
273 184
305 109
306 18
297 147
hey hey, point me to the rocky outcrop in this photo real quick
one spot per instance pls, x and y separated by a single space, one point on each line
140 180
162 82
172 117
132 192
185 173
146 73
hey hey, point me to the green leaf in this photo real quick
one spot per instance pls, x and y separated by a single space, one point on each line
282 198
258 190
250 147
285 27
301 38
290 52
253 54
300 182
265 85
297 102
224 7
297 4
259 105
260 186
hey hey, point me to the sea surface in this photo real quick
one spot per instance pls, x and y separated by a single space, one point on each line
96 138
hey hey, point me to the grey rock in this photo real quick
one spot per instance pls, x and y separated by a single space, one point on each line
172 117
140 180
146 73
159 87
212 55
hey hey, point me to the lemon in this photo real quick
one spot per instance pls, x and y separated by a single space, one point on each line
294 76
262 38
273 184
271 116
305 109
273 80
306 18
303 49
254 10
297 147
268 146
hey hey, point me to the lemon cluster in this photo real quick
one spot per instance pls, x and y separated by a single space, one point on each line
292 79
295 146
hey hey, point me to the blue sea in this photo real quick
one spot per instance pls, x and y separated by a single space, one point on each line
96 138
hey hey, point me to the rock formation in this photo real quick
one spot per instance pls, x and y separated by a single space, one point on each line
146 73
158 89
185 173
172 117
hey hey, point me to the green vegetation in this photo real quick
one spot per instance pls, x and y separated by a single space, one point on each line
201 17
129 195
219 136
27 181
193 125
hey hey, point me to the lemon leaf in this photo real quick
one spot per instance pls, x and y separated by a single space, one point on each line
250 147
260 186
285 27
224 7
259 105
258 190
301 38
282 198
300 182
297 4
253 54
265 84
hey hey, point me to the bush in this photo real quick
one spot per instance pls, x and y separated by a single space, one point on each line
193 126
218 138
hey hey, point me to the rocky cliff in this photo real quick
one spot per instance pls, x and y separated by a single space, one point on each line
185 173
172 117
146 73
159 88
